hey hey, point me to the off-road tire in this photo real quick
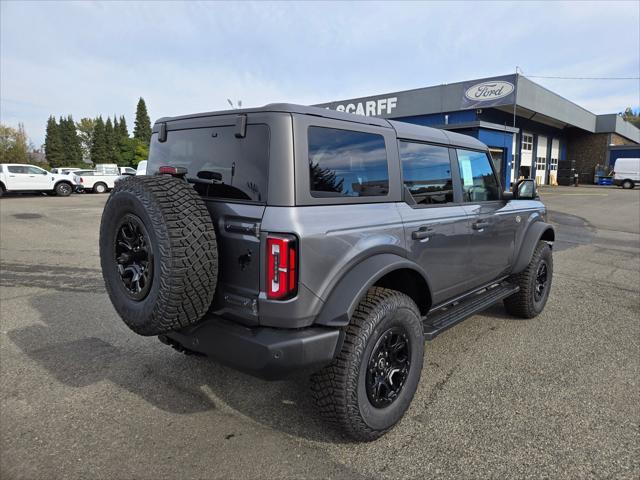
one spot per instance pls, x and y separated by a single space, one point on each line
339 390
628 184
99 188
523 303
63 189
183 243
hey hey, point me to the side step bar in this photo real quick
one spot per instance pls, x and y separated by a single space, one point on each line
450 315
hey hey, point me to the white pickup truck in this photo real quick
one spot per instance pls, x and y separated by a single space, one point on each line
94 181
19 177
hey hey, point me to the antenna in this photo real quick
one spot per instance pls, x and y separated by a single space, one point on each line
230 103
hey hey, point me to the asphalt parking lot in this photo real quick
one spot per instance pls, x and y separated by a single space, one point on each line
555 397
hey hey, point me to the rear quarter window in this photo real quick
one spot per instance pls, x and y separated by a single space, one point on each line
345 163
238 165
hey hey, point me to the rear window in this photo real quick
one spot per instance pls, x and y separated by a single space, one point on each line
219 164
345 163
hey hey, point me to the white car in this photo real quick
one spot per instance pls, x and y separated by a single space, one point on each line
96 182
626 172
19 177
142 168
65 170
127 171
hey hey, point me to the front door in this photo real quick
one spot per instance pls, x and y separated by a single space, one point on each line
38 179
435 224
493 222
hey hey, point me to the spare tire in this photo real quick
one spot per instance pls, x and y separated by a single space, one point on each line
158 253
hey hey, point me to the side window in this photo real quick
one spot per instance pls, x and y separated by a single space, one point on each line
426 172
35 171
17 169
479 183
344 163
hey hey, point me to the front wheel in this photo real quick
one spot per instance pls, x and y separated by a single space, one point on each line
628 185
534 283
369 386
63 189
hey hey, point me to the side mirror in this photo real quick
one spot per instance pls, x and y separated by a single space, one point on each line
525 189
44 172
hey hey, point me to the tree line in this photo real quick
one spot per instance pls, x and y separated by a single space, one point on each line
94 140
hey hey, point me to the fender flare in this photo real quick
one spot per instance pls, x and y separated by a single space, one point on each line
347 292
533 235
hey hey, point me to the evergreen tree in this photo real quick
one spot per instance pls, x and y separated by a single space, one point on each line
99 152
125 158
142 128
70 142
124 131
110 140
53 147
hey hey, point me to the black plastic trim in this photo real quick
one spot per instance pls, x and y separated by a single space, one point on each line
268 353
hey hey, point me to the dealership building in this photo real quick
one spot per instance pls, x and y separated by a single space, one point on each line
528 128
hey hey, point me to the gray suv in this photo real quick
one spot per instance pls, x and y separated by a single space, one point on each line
290 239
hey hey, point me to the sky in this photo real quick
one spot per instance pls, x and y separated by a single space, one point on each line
88 59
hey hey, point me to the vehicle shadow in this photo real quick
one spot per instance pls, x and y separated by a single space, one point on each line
79 350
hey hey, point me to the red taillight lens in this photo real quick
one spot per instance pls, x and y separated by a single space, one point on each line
282 272
175 171
81 180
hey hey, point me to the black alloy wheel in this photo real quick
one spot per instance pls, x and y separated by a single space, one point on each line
133 256
542 280
388 367
63 189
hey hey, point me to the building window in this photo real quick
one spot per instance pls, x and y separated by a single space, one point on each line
426 172
344 163
527 142
553 165
541 163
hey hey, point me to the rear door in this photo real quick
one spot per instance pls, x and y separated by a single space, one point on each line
435 221
17 177
493 221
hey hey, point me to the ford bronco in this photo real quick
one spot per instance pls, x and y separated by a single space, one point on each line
290 239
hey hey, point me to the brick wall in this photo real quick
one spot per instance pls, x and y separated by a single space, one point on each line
588 150
618 140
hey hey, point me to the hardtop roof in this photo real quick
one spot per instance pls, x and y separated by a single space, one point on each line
403 130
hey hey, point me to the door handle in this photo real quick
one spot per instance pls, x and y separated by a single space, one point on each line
480 225
422 233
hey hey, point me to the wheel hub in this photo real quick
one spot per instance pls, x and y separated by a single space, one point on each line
542 279
388 367
133 257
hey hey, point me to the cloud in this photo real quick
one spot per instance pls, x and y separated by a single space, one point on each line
87 58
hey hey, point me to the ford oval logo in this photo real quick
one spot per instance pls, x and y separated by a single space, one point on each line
489 91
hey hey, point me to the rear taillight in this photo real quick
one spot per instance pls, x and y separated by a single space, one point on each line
173 171
81 180
282 270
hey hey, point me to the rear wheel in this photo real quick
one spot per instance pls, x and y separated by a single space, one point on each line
63 189
99 188
628 184
534 283
158 254
369 386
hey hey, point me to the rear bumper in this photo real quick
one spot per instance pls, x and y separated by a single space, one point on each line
269 353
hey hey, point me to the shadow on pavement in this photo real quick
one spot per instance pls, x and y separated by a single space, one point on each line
156 373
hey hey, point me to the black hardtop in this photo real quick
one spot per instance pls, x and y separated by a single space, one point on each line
403 130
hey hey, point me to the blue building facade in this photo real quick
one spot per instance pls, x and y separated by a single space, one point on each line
527 128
